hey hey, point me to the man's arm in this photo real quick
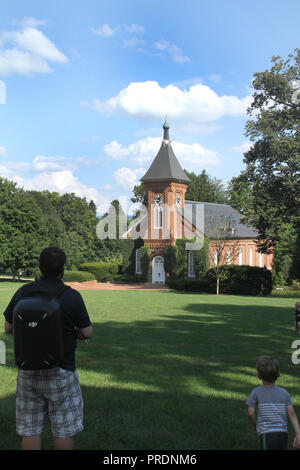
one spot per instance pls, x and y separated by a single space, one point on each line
8 328
84 333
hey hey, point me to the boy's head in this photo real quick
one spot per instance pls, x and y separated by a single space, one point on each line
267 368
52 261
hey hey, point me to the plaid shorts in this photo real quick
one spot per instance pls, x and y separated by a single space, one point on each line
53 392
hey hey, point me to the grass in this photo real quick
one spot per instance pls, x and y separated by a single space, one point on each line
168 370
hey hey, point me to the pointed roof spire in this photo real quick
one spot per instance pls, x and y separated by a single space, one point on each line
166 129
165 166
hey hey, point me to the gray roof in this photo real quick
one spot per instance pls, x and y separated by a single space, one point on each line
165 166
216 218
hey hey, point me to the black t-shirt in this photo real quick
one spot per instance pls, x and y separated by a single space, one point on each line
74 315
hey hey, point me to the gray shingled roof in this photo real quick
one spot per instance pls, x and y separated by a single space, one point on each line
218 216
165 166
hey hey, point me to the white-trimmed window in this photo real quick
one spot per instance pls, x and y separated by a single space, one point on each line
215 258
138 269
158 217
240 256
251 257
260 260
228 257
191 268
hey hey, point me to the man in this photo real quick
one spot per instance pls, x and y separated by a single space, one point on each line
55 392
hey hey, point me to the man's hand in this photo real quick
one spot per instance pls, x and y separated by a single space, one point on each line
84 333
8 328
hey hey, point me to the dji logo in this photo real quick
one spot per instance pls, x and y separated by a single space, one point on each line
2 92
2 353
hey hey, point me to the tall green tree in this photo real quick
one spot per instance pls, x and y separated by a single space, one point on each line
269 186
205 188
22 232
202 187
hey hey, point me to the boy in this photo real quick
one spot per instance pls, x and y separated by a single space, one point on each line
274 406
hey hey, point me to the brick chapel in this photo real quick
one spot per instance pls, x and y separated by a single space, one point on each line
170 216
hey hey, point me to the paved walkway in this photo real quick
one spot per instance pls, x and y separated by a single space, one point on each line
94 285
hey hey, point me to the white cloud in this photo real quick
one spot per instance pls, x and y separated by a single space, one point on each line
42 163
174 51
54 174
31 21
27 51
107 187
134 28
105 31
149 101
127 178
193 157
133 42
13 61
244 147
2 151
63 182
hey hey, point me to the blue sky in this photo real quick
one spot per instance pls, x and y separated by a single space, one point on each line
85 87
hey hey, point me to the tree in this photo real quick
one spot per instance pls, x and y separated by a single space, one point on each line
223 248
202 187
205 188
269 187
22 229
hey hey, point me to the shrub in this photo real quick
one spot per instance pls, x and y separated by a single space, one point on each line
170 258
78 276
101 270
204 285
246 280
201 258
128 278
127 250
145 261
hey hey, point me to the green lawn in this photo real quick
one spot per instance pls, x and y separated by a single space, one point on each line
168 370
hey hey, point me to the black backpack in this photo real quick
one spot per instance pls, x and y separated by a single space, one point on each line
37 328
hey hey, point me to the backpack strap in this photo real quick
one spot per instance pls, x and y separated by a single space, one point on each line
33 288
59 290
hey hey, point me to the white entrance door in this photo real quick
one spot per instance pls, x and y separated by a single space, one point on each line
158 271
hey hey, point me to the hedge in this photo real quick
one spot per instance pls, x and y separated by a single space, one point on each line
145 262
204 285
241 280
246 280
78 276
101 270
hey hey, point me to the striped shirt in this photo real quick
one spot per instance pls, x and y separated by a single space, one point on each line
271 403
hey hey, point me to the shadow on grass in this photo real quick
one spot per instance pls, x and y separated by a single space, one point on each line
178 381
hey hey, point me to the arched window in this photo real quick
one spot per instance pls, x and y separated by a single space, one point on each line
240 256
158 217
250 257
191 269
138 269
215 258
228 257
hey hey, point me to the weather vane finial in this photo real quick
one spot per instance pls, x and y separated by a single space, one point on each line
166 129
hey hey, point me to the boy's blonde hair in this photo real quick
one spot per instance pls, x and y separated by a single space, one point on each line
268 368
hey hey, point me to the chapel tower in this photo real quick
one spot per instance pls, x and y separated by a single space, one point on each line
166 184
